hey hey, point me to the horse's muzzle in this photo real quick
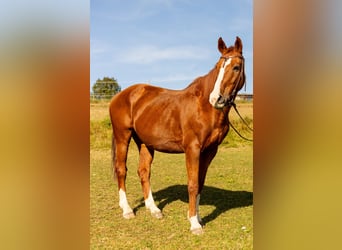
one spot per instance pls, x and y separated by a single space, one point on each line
224 101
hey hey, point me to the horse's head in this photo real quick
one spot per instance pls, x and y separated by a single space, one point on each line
231 76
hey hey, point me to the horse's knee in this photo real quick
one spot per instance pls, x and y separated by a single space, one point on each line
121 172
193 188
143 174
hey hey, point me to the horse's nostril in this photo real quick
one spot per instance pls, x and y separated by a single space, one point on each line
220 100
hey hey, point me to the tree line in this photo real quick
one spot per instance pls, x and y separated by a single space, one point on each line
105 88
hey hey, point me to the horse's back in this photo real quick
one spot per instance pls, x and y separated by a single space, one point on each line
121 105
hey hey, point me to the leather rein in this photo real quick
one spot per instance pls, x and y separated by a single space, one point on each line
244 121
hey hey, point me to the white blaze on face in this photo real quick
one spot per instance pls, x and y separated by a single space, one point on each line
215 94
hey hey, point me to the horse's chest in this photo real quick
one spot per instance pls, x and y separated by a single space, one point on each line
216 136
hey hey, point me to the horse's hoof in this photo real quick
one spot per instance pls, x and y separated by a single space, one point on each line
197 231
129 215
157 215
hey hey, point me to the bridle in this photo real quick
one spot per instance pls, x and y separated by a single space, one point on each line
227 57
232 97
233 94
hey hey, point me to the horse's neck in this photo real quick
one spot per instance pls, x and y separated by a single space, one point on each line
209 81
204 85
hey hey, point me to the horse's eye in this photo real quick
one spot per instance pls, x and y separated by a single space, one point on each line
236 68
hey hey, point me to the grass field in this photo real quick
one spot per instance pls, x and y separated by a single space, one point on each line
226 205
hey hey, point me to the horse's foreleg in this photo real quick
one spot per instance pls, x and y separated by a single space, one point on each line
121 172
144 172
205 159
192 165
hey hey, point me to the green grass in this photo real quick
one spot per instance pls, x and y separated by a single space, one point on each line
226 204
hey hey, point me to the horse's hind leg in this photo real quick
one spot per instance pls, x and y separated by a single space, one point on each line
120 148
144 172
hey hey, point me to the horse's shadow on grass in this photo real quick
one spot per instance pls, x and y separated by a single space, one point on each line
221 199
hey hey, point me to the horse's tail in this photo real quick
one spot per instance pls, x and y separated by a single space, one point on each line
113 156
113 145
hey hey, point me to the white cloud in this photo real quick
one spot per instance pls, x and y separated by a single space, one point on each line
239 24
137 10
99 47
151 54
174 78
167 3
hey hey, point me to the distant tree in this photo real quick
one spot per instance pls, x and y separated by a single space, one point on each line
106 88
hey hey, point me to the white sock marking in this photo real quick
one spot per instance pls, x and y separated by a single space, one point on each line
194 222
215 94
149 203
123 203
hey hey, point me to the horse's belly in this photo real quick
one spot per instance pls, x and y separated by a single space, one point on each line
160 129
161 143
169 148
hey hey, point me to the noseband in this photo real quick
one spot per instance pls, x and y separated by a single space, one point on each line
233 94
227 57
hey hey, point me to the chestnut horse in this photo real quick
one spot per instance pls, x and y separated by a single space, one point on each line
193 121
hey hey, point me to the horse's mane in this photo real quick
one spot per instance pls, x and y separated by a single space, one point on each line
195 81
198 82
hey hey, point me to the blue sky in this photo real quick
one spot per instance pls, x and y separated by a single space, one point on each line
167 43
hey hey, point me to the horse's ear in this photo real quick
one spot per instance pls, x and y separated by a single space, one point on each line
238 44
221 45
